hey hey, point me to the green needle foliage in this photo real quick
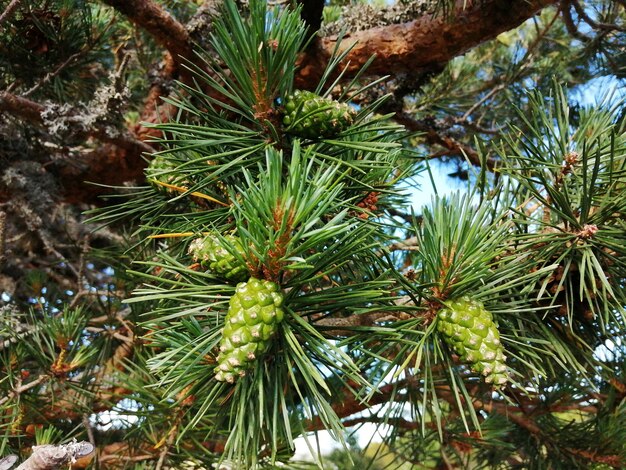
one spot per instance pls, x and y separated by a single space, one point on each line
306 216
272 296
296 207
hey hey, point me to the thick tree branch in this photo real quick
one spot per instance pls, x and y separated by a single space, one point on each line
34 112
422 44
165 30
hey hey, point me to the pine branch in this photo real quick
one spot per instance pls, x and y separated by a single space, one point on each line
164 28
33 112
343 326
24 388
435 137
409 244
352 405
3 219
422 44
569 22
512 413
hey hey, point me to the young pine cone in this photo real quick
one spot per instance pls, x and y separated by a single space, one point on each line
468 328
310 116
212 253
254 313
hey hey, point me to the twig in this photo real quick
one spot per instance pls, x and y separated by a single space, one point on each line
408 218
569 22
90 435
410 244
591 22
434 137
400 423
49 76
24 388
9 10
481 101
514 414
351 404
168 442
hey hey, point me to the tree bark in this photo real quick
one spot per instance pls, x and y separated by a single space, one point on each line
423 44
50 457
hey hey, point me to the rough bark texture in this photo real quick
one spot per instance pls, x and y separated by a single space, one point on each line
7 462
423 44
52 457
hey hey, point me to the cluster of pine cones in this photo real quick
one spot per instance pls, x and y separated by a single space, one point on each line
254 311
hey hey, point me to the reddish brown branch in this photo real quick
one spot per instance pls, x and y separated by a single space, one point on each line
387 393
21 107
423 44
352 405
24 388
512 413
164 28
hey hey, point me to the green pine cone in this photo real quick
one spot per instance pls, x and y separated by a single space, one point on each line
253 316
310 116
212 254
469 329
163 170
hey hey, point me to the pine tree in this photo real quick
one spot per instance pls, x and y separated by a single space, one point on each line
266 279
